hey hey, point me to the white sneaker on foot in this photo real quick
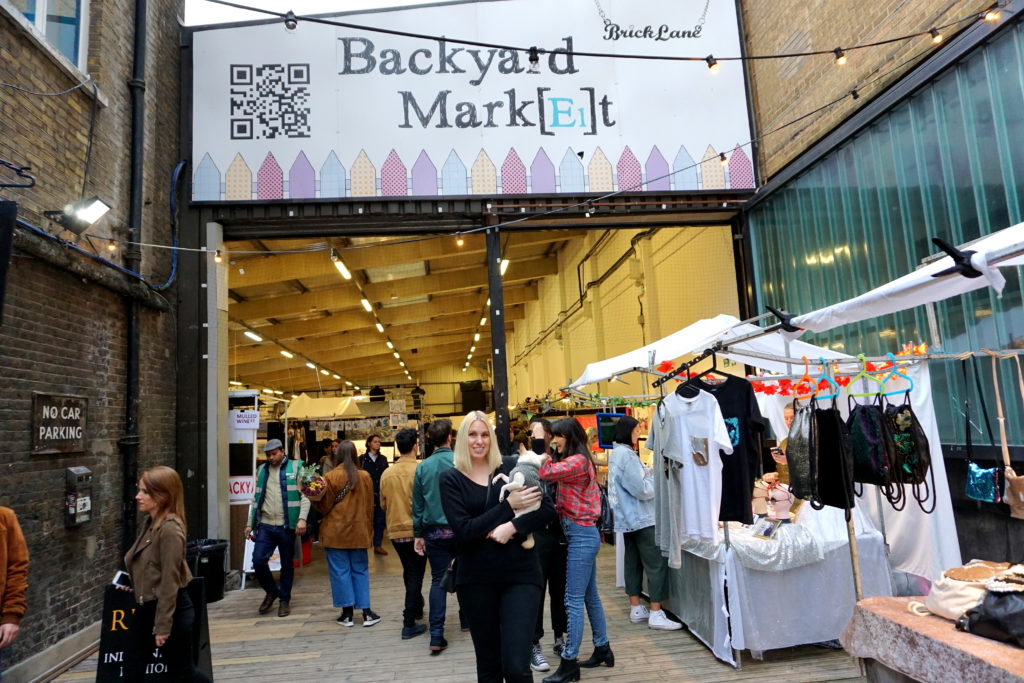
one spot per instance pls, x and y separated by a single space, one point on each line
660 622
639 614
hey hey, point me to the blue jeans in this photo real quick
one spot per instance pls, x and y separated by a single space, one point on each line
267 539
349 570
581 587
439 553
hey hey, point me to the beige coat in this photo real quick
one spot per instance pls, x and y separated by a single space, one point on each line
349 524
396 496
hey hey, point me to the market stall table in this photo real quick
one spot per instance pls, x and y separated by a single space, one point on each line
925 648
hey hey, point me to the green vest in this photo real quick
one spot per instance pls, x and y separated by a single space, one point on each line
289 487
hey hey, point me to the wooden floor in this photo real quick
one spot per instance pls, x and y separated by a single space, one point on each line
309 646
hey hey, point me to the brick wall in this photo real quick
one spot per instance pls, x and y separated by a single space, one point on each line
785 89
66 334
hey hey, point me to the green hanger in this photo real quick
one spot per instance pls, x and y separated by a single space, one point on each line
863 374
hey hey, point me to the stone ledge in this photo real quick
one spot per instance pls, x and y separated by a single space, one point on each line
57 658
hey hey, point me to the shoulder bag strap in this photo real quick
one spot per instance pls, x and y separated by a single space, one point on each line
341 495
967 411
984 406
999 408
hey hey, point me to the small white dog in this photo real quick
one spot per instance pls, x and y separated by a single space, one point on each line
525 474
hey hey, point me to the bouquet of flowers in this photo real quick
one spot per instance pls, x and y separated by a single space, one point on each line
311 484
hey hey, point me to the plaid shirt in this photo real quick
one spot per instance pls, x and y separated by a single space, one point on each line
578 496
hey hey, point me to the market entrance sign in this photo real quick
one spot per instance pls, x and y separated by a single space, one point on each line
322 111
58 423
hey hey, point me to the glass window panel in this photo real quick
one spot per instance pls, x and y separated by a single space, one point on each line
26 7
63 24
948 161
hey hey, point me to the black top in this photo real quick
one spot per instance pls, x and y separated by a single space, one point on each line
743 420
375 470
473 511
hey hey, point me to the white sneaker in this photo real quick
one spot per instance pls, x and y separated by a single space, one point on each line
639 614
660 622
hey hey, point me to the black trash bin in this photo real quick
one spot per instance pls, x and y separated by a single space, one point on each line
205 558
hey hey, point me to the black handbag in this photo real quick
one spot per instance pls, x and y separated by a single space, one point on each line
606 522
802 454
1000 614
834 485
447 581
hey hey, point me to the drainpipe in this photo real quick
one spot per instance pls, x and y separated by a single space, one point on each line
129 442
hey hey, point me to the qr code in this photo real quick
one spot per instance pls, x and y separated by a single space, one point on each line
269 101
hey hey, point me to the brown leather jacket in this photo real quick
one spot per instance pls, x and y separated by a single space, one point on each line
157 565
13 569
349 524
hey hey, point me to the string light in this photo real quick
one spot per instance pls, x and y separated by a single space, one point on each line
380 328
712 64
217 258
348 384
504 266
458 240
287 354
483 321
366 305
840 56
310 366
854 94
722 159
252 335
340 265
992 15
336 376
395 354
534 61
324 372
476 337
936 36
390 345
111 246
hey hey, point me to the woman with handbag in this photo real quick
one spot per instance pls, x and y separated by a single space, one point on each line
156 563
499 583
346 532
631 494
579 506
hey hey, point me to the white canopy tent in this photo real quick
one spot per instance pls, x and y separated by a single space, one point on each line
998 250
306 407
699 336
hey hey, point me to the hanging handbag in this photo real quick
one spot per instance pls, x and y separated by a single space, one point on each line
872 463
801 453
1013 493
1000 616
913 459
834 485
982 484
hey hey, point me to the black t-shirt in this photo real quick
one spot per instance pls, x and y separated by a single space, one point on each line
473 511
743 419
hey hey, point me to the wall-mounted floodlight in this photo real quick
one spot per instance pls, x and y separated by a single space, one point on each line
78 216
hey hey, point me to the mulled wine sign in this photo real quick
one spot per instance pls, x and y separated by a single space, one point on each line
320 111
120 658
58 423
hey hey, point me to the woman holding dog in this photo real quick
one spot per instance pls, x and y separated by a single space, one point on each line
579 506
499 583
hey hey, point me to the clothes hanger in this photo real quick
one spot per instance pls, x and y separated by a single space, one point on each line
688 389
835 385
895 372
864 374
808 379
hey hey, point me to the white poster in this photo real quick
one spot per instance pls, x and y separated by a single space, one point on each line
322 111
241 490
245 419
274 561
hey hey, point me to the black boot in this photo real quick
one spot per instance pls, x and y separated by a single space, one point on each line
568 670
602 655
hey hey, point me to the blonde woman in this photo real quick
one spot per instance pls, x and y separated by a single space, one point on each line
156 563
498 582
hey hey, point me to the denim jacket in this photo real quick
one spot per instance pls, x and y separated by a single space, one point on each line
630 490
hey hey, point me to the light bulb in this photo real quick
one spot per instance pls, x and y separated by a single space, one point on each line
712 64
459 241
111 247
992 15
936 36
310 366
390 345
854 94
340 265
252 335
840 56
476 337
324 372
217 258
722 159
366 305
380 328
504 265
287 354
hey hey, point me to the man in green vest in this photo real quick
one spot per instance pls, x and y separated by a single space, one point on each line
277 514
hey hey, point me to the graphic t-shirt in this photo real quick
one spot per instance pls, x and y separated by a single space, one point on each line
689 438
743 419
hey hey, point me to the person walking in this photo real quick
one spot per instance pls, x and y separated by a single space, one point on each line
498 581
396 498
551 551
631 494
374 462
579 506
433 537
346 532
160 575
13 579
277 515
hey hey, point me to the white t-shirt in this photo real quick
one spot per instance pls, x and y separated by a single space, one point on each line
699 439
